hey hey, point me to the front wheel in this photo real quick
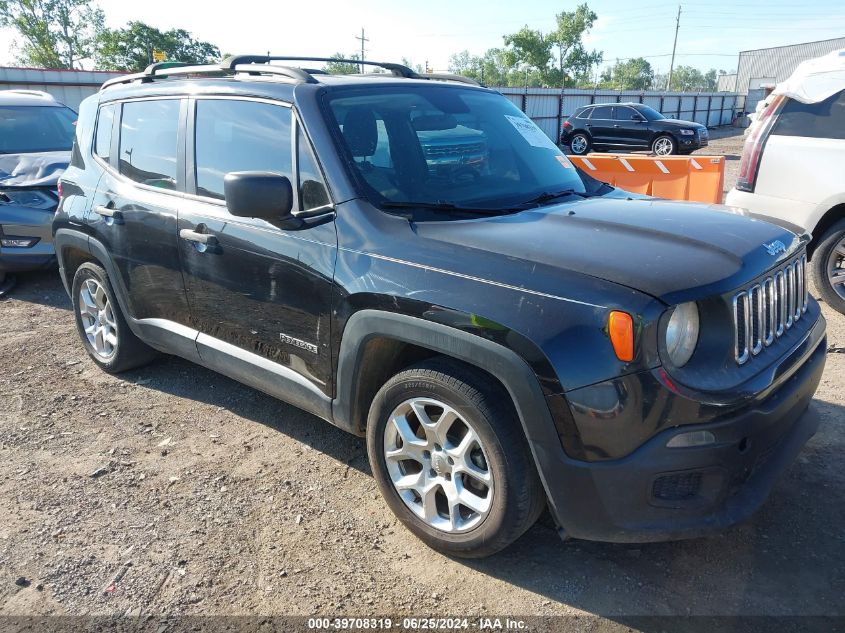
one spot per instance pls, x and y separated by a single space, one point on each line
828 266
664 145
579 144
448 454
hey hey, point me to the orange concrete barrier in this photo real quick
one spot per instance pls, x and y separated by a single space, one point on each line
698 178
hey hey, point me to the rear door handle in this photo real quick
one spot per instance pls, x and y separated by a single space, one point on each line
112 216
199 238
616 126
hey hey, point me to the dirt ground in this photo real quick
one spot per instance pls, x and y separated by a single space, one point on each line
174 490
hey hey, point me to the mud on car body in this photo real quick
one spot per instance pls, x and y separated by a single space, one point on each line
506 333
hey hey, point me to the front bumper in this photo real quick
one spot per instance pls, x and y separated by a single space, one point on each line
657 493
26 223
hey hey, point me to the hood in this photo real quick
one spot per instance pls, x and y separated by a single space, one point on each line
36 169
674 251
679 123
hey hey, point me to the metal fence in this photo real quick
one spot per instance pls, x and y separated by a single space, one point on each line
549 107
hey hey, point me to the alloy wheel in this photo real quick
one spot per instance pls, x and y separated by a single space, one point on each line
98 319
836 268
438 465
663 146
579 144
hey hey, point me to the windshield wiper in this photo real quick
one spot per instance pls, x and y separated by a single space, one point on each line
548 196
442 206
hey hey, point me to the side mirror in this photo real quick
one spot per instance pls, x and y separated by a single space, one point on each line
637 118
258 194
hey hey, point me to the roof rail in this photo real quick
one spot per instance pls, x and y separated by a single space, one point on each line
260 65
32 93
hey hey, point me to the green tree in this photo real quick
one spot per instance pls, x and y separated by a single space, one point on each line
633 74
573 60
529 49
131 48
54 33
342 68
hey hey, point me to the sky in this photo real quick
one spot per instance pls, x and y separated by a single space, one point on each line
712 32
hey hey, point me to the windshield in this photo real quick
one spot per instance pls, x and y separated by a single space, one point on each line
441 145
650 113
26 129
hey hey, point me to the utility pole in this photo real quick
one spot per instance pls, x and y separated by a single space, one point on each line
363 39
674 46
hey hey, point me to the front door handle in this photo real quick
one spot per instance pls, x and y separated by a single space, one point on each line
112 216
616 126
199 238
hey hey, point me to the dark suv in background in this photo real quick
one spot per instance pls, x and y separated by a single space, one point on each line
473 319
630 126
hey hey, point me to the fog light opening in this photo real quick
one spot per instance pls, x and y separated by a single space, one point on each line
693 438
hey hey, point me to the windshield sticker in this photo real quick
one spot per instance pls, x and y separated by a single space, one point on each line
530 132
563 160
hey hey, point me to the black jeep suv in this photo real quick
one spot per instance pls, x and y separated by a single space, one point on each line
505 331
630 126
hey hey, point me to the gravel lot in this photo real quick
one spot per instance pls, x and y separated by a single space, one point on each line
173 490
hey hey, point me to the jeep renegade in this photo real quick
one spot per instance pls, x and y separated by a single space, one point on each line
410 258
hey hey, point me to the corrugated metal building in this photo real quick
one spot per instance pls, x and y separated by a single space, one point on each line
763 68
67 86
726 83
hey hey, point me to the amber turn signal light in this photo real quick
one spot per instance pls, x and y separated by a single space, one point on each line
620 326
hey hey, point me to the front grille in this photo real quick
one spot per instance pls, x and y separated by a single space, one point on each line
764 312
458 149
678 487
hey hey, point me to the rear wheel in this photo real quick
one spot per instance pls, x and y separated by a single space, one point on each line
101 325
579 143
449 457
664 145
828 266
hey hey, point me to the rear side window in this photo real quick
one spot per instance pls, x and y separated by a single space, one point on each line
102 142
603 112
814 120
312 188
239 136
148 131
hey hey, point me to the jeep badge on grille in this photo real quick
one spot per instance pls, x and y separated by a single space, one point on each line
775 247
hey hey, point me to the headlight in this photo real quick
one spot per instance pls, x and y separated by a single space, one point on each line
687 132
682 333
32 198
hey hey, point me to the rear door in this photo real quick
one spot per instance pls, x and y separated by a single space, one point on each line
600 125
260 295
135 208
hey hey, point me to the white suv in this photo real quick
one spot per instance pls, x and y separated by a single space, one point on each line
793 169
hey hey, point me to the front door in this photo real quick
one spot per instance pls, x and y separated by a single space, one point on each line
630 128
260 295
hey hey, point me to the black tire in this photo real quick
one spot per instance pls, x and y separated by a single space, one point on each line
819 265
662 138
573 144
129 351
517 498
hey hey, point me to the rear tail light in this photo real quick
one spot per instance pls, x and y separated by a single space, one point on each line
566 125
59 189
752 151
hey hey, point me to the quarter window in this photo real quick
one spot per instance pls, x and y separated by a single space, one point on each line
105 121
825 119
603 113
584 114
234 135
148 131
312 188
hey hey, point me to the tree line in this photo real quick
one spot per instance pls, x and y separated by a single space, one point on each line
64 33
